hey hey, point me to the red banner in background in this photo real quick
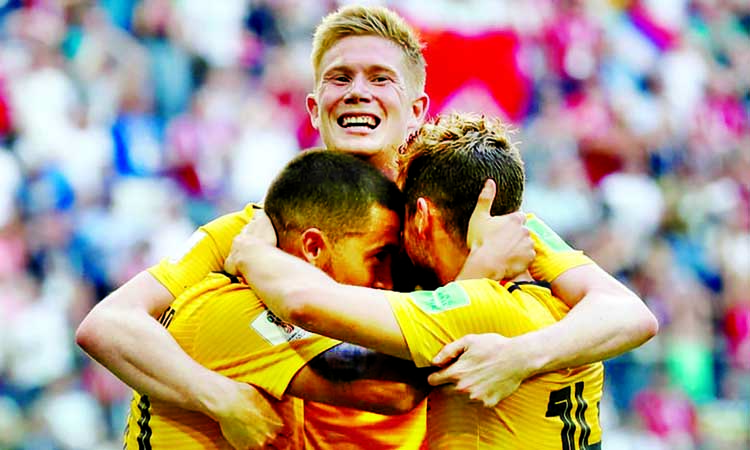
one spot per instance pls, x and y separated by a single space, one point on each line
465 71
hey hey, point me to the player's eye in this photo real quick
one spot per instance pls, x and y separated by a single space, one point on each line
382 256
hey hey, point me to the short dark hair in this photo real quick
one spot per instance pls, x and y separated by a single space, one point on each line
329 190
448 161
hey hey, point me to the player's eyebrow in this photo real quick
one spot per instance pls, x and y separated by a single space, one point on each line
342 68
337 69
381 68
387 247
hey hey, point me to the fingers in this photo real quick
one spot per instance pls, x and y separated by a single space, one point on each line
260 227
450 352
230 265
439 377
486 198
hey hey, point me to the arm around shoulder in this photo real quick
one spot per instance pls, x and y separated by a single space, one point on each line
378 396
114 333
606 319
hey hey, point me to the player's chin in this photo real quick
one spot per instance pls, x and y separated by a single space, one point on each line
361 145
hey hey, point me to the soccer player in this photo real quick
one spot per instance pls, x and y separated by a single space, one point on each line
369 96
339 214
445 166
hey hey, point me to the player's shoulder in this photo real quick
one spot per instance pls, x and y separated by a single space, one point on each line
233 219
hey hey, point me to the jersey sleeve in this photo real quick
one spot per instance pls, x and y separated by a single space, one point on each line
239 338
204 252
431 319
553 255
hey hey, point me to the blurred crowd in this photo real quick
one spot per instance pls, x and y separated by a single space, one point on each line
124 124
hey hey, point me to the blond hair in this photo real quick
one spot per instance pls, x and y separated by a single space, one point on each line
449 159
356 20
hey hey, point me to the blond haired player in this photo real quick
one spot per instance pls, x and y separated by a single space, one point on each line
446 166
364 102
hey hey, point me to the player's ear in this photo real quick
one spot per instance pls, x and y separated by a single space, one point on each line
311 102
315 247
419 108
423 216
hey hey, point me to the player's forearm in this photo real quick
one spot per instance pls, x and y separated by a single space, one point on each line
140 352
382 397
300 293
123 335
602 325
280 279
348 362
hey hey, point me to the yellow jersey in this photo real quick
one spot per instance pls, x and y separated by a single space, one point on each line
328 426
225 327
556 410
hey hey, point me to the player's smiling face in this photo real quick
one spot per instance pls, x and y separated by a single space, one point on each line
364 257
362 103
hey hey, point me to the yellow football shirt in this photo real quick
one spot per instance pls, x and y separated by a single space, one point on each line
226 328
204 252
327 426
553 255
557 410
333 428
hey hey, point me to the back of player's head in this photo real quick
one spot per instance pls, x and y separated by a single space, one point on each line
448 161
328 190
357 20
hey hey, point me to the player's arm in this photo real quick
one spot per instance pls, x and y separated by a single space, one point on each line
304 295
122 333
356 377
606 319
114 333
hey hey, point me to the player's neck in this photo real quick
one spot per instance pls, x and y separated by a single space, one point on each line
449 261
386 163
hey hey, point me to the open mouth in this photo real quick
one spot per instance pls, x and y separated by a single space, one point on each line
358 120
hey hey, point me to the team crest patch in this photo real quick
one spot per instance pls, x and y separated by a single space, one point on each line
546 235
275 330
448 297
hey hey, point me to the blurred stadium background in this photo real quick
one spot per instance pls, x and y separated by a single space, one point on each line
125 123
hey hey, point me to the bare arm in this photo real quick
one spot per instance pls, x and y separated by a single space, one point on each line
382 397
114 333
314 301
356 377
123 334
606 319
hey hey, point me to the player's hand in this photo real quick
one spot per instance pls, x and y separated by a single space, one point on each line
261 227
500 246
486 367
248 421
258 230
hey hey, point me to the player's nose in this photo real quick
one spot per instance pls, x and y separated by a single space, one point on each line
359 90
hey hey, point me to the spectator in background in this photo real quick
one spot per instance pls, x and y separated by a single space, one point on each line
639 55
